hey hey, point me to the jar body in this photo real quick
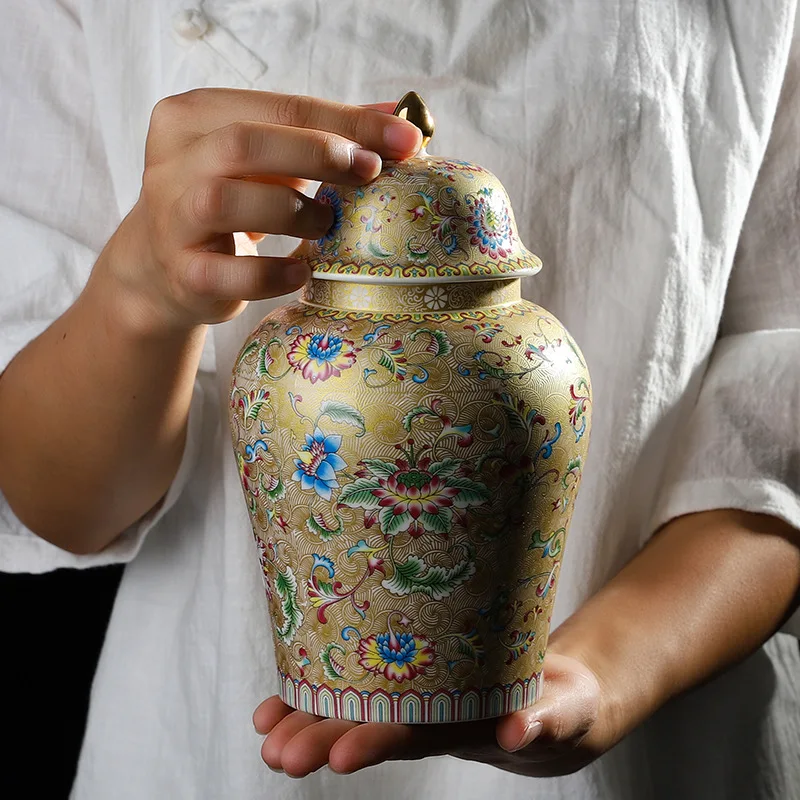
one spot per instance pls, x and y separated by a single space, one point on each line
410 457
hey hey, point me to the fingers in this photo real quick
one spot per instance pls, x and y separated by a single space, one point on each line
309 749
281 735
387 107
221 277
520 729
558 722
222 161
269 714
199 111
225 205
300 743
251 148
373 743
370 744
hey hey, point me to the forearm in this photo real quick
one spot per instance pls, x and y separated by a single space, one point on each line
93 418
707 590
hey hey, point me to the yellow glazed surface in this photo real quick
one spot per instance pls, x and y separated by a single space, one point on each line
425 219
410 456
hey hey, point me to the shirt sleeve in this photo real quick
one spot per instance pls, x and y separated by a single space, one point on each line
740 447
57 209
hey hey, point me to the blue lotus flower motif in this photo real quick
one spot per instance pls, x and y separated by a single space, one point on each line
397 656
328 196
318 462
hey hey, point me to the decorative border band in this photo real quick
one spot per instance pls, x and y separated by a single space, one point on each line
409 706
476 315
414 299
424 273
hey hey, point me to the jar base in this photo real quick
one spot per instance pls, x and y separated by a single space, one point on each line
409 706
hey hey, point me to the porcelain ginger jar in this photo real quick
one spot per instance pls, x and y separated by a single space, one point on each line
410 437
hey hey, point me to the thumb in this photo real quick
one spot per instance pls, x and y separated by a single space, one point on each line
564 715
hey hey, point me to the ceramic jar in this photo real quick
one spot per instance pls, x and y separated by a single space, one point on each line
410 437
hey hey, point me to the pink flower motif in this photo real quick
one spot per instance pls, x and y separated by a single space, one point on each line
489 225
416 498
319 356
375 565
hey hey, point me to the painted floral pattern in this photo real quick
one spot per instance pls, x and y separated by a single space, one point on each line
319 356
443 222
453 169
421 217
489 224
410 488
412 494
436 297
318 462
328 196
397 656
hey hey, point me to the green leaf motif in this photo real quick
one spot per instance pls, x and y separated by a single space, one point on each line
360 484
388 363
438 523
330 667
392 523
416 253
515 419
316 524
519 645
286 587
464 647
417 411
381 469
376 250
344 413
278 490
358 498
264 360
445 468
495 372
415 576
471 645
255 408
440 342
551 545
249 348
471 492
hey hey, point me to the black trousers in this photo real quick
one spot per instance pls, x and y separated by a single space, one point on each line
53 626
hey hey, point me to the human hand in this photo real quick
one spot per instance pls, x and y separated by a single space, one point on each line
609 667
566 729
220 161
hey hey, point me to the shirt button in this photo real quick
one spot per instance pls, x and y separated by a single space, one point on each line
190 24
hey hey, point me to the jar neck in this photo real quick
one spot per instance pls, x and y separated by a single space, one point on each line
394 298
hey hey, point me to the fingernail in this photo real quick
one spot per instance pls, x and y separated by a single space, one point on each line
366 164
532 730
401 137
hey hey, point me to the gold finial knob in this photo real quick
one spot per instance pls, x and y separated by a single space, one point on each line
412 107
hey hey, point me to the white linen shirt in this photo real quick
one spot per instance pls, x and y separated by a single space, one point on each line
651 151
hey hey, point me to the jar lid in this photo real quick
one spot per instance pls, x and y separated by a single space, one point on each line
423 220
